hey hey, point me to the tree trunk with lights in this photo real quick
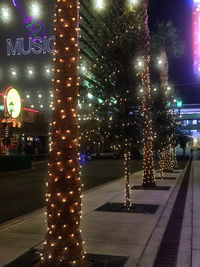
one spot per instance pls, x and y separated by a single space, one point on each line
148 161
174 159
161 164
164 84
127 179
63 242
127 154
167 160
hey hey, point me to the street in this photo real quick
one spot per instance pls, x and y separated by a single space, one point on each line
24 191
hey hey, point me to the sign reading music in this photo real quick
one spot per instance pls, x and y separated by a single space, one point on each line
32 45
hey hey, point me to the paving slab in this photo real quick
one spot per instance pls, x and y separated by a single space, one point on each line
196 238
14 245
151 248
133 235
116 232
184 254
195 215
134 218
195 258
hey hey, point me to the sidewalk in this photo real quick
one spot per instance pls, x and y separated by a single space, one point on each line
122 234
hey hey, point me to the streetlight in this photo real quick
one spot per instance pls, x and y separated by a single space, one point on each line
35 10
133 2
99 4
5 14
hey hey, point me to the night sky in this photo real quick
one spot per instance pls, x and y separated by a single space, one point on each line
181 70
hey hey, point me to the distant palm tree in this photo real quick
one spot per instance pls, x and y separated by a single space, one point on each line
166 44
148 179
166 36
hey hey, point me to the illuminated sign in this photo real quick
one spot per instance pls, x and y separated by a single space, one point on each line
179 103
196 36
35 45
12 102
35 27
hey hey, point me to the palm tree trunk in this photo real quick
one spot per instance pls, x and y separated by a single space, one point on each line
148 161
63 242
174 159
161 163
164 84
164 70
167 160
127 179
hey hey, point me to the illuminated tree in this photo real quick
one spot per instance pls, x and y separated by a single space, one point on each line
63 242
125 39
165 44
144 61
115 83
163 125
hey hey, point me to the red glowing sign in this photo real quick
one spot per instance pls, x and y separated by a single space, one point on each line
196 36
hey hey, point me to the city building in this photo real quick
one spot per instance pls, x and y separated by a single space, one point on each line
27 60
188 118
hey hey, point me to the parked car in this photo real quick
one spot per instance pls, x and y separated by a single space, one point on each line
107 154
85 157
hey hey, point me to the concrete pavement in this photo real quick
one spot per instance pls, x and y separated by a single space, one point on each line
122 234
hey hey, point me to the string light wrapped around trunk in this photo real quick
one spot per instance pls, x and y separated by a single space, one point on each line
167 164
167 159
63 245
161 163
148 161
127 157
174 158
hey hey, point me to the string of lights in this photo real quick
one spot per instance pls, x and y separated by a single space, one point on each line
63 243
148 179
166 164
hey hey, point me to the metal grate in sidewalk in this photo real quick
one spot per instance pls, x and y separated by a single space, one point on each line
168 250
97 260
140 187
135 208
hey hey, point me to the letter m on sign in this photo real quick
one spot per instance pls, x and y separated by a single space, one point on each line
13 50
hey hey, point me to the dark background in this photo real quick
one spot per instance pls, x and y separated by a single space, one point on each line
181 70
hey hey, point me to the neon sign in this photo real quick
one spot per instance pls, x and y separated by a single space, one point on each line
12 102
35 27
35 45
196 36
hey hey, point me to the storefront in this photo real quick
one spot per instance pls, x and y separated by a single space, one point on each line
22 130
26 52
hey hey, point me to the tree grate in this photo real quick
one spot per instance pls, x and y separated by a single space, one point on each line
140 187
98 260
166 178
135 208
168 250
